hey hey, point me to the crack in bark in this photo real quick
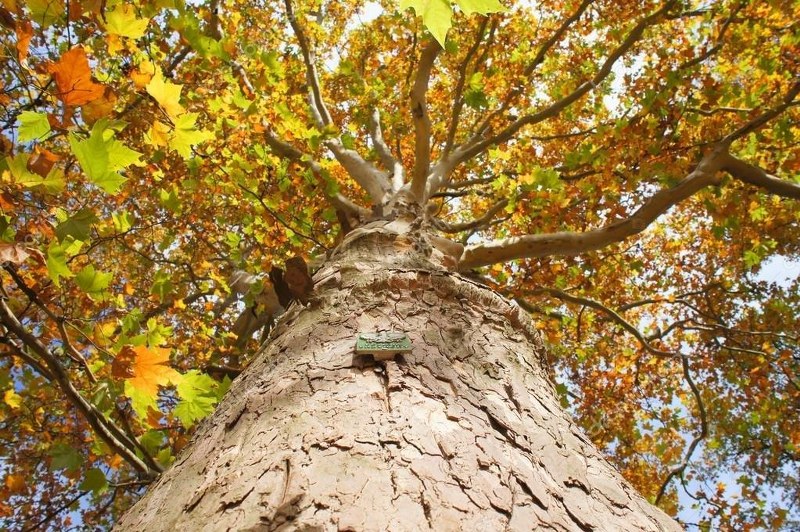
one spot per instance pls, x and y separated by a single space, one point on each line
500 427
527 490
383 375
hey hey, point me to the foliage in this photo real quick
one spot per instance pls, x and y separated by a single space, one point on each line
150 148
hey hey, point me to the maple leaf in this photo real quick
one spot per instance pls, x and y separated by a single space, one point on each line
142 74
185 135
24 35
151 369
32 125
74 78
123 22
166 93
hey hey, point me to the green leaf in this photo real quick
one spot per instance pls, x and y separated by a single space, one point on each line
64 456
46 12
223 387
101 157
140 401
157 334
92 281
32 125
123 22
198 397
436 16
482 7
18 166
186 136
162 285
153 440
95 481
57 266
169 199
78 226
123 221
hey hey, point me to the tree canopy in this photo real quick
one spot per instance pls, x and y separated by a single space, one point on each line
626 170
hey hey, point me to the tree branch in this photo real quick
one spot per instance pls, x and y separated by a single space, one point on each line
387 159
615 316
680 468
458 100
109 433
756 123
754 175
422 121
473 224
533 65
568 243
338 201
476 146
363 172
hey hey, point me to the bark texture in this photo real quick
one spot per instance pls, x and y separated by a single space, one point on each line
463 433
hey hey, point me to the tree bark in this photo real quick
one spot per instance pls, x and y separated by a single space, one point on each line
463 433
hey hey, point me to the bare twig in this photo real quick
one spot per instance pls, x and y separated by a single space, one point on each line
614 315
681 467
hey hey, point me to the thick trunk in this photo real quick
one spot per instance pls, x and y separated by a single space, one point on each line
463 433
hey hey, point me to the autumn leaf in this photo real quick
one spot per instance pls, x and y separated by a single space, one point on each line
24 32
166 93
74 78
122 21
142 74
186 135
151 369
16 484
12 399
102 107
13 253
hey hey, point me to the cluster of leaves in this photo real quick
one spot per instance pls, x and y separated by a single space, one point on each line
149 148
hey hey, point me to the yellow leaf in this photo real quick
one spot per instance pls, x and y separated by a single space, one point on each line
158 134
12 399
151 369
123 22
166 93
115 44
142 74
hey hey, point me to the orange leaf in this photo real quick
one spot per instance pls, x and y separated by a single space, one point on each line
122 365
74 79
100 108
151 369
24 36
16 484
42 162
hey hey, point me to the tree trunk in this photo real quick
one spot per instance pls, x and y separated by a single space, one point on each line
463 433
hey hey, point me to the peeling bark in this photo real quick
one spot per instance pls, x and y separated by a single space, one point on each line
463 433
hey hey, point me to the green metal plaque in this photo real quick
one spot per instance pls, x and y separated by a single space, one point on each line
383 345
